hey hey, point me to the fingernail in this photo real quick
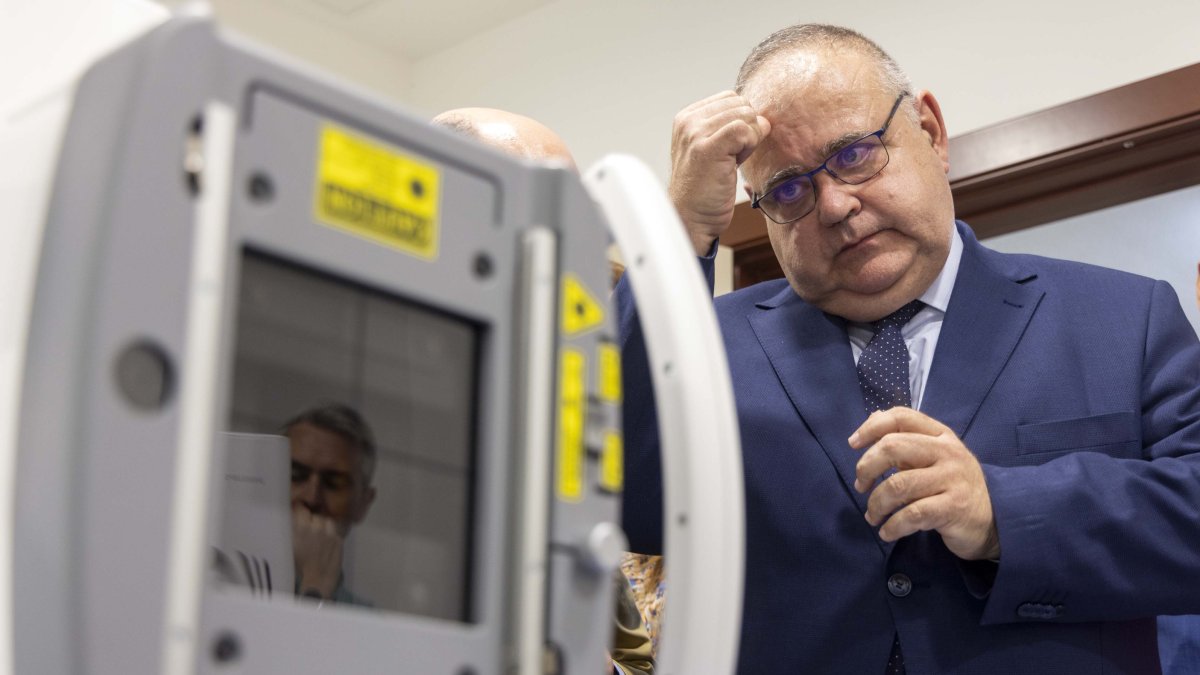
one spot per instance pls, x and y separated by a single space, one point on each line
854 439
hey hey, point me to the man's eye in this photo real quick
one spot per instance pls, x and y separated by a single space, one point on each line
792 191
300 473
852 156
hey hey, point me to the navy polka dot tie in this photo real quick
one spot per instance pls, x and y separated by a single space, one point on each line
883 377
883 365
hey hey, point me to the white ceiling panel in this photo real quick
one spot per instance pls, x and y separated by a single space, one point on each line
411 29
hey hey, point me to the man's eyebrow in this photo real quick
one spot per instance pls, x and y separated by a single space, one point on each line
781 176
314 469
842 141
826 151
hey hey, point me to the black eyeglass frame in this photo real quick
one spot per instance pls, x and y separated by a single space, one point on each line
756 199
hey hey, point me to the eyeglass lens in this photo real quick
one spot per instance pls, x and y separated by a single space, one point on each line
795 198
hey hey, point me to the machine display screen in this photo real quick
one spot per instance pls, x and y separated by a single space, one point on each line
367 403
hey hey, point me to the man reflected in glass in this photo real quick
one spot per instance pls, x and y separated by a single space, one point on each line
333 462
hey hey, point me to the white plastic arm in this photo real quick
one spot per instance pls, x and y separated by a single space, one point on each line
702 462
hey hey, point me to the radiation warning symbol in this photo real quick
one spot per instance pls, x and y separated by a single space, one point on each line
580 311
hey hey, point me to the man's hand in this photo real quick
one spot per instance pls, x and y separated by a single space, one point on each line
939 485
317 546
710 139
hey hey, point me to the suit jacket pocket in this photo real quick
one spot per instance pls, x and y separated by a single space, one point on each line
1116 434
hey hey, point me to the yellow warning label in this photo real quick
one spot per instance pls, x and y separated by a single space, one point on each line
572 414
372 190
612 462
610 372
580 311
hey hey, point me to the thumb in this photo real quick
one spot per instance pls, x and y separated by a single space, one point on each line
764 127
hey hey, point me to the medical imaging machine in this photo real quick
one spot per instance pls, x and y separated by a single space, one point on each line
211 237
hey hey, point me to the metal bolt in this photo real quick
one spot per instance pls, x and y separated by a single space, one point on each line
144 375
261 187
227 647
483 266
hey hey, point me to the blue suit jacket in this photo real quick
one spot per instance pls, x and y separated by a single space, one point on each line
1077 387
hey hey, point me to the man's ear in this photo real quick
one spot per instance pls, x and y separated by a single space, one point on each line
933 127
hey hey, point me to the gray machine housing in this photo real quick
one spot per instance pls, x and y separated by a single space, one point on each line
97 462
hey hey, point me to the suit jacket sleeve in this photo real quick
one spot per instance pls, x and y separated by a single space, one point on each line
1092 536
642 502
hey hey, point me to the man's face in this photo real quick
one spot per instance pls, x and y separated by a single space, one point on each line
327 476
865 250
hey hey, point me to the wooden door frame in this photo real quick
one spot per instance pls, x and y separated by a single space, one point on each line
1114 147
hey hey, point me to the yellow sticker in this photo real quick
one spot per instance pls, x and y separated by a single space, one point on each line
572 415
580 311
612 462
610 372
374 191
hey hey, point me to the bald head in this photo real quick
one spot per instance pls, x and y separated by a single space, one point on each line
783 50
508 132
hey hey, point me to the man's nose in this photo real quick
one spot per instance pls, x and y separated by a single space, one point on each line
836 201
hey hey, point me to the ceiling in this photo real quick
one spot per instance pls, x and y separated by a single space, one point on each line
411 29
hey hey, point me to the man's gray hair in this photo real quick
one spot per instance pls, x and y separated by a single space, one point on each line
827 37
346 422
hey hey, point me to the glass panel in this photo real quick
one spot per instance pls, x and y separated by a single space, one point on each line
349 464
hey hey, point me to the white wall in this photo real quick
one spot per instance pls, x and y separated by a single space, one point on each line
1157 237
610 74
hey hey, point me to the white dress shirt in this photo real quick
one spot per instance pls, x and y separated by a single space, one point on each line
921 333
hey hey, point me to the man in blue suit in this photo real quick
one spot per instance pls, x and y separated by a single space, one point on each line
1024 497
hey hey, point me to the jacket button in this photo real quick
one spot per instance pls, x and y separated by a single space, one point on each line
899 585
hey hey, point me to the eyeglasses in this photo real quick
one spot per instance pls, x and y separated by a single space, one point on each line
333 481
856 163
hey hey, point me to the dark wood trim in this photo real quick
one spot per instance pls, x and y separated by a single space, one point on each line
1121 145
1114 147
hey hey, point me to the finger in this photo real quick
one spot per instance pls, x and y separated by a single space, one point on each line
761 129
737 139
324 524
708 101
301 516
715 105
764 127
699 113
903 488
901 450
897 419
714 124
926 514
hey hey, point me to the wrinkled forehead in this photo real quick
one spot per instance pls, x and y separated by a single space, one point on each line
812 99
821 75
323 448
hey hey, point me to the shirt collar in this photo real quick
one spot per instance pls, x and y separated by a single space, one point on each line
937 295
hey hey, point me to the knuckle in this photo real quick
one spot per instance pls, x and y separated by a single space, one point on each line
887 447
918 513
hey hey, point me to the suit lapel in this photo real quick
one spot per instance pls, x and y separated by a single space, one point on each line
811 356
988 313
